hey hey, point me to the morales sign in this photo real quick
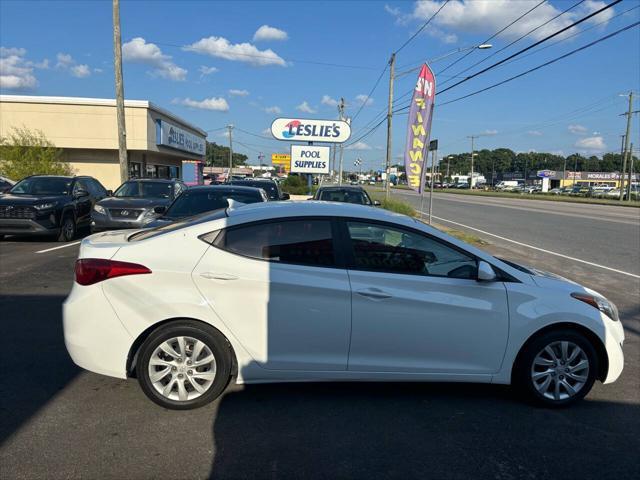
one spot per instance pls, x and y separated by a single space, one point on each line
309 159
281 161
170 135
419 127
301 130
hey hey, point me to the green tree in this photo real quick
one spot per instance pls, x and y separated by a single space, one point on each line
218 156
25 152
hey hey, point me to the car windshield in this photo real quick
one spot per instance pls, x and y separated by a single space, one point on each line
199 201
145 190
269 187
346 196
43 186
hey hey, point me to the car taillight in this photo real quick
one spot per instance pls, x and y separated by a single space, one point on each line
94 270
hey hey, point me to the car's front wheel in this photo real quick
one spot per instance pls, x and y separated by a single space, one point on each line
67 229
184 365
557 368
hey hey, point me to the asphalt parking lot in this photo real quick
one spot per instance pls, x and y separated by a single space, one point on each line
57 421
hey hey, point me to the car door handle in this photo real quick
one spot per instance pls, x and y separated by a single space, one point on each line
374 294
218 276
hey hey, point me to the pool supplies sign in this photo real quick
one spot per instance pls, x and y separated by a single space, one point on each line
419 128
309 159
170 135
305 130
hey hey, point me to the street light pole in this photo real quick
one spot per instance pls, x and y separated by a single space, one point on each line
629 113
472 137
392 66
341 111
230 127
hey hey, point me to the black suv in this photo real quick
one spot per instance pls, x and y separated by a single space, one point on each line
49 205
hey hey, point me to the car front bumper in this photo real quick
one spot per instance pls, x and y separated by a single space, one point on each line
101 222
613 341
23 226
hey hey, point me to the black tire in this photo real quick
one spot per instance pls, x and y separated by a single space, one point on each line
522 375
219 347
67 228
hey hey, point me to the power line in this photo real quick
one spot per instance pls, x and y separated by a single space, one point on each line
548 37
493 36
422 27
371 92
584 47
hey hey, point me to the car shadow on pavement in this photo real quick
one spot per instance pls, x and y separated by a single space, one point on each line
35 362
414 430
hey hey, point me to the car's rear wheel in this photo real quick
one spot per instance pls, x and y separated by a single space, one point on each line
184 365
67 229
557 368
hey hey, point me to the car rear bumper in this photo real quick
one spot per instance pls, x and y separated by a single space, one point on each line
93 334
23 226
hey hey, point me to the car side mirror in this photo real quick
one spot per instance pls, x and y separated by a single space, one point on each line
286 196
109 193
81 193
486 273
160 209
376 203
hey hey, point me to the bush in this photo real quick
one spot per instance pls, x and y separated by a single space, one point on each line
25 152
398 206
296 185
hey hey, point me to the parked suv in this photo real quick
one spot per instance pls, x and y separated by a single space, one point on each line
271 188
49 205
6 184
134 203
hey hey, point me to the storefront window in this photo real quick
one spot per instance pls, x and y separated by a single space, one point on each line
152 171
163 171
135 169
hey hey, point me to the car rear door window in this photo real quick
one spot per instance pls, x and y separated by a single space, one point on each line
385 248
302 242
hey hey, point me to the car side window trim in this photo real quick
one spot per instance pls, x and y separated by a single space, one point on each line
338 252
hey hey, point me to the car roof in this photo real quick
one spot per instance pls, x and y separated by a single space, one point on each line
236 188
342 187
312 208
155 180
248 180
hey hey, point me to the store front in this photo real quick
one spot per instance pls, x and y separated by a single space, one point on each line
85 129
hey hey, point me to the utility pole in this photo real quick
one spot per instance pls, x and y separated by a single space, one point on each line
122 129
341 112
230 127
626 144
564 173
630 171
434 159
472 137
392 66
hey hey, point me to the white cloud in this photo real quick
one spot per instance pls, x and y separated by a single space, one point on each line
535 133
327 100
80 71
577 129
490 132
591 143
391 10
275 110
64 60
204 70
305 108
363 100
489 16
360 145
16 72
220 47
266 33
217 104
138 50
238 93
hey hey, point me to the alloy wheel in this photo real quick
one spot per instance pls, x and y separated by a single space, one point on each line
182 368
560 370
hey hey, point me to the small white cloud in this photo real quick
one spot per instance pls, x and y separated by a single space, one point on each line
274 110
80 71
591 143
304 107
217 104
364 100
16 72
391 10
65 60
266 33
138 50
577 129
360 145
327 100
220 47
238 93
534 133
204 70
490 132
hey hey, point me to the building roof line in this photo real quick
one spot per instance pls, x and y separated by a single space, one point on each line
99 102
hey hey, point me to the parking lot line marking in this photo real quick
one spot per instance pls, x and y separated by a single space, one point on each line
58 248
537 248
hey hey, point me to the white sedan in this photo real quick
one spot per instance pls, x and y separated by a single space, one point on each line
320 291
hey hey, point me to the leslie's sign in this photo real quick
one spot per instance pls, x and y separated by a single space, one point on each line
304 130
170 135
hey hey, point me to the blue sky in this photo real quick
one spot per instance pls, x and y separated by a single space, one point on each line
245 63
